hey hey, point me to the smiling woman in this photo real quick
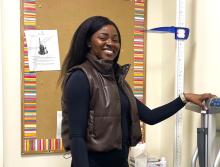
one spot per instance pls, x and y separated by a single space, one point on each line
100 114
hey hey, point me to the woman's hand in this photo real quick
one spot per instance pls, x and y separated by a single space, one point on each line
198 98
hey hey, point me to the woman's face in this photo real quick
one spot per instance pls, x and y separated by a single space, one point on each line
105 43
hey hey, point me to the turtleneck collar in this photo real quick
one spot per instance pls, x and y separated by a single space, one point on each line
108 68
105 67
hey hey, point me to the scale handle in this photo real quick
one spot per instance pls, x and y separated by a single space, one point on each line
217 160
194 158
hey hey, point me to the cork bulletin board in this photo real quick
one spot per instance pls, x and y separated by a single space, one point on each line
40 94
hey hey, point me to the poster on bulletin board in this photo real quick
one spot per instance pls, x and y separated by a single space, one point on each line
43 50
40 96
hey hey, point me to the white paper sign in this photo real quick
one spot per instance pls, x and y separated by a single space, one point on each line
43 50
59 121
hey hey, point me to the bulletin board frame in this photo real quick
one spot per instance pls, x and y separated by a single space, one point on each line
32 97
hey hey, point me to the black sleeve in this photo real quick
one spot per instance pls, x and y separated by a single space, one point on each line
158 114
76 96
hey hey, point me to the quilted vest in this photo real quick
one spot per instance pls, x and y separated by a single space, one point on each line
104 131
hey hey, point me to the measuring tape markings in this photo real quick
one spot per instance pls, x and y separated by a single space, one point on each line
180 22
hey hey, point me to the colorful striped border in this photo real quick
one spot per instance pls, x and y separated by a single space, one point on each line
138 45
139 61
30 142
43 145
30 78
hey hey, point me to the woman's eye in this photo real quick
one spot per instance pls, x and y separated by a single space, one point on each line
103 38
115 40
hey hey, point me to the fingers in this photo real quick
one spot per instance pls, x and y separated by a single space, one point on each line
206 96
204 107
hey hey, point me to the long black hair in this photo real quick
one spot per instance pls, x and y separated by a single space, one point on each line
79 44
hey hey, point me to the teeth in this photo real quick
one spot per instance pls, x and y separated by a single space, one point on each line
109 51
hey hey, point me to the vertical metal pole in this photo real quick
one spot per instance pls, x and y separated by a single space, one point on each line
212 141
206 139
202 140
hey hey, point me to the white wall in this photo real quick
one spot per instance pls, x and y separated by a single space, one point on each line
11 89
1 93
153 77
160 76
201 69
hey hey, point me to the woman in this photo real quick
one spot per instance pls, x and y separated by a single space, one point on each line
100 113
